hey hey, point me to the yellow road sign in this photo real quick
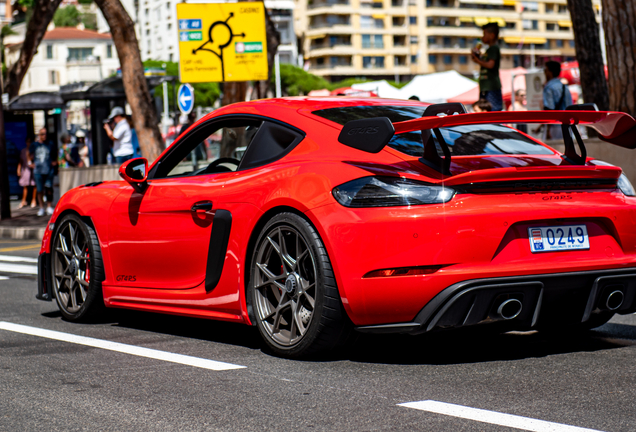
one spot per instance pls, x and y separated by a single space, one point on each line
222 42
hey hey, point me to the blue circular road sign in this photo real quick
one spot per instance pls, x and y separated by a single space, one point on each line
185 98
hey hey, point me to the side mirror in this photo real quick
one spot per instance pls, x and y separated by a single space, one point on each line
135 172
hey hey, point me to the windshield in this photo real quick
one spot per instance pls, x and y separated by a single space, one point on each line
467 140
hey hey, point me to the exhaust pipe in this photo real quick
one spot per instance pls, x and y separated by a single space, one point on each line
510 309
614 300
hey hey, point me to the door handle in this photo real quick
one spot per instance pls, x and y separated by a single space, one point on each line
201 206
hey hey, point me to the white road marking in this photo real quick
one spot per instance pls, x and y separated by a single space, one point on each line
120 347
3 278
12 258
493 417
18 268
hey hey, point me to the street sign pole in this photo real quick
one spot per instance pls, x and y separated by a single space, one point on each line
277 69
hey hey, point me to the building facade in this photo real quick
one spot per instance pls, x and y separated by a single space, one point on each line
65 56
403 38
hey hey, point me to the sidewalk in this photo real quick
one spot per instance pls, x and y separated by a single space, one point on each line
24 223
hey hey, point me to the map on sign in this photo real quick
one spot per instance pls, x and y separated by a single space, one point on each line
222 42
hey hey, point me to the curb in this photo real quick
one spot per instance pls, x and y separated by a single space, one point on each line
22 233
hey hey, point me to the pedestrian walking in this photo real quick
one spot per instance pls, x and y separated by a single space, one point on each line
556 95
489 81
82 150
120 135
25 175
44 161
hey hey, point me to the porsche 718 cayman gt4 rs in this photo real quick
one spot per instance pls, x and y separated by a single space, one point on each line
311 217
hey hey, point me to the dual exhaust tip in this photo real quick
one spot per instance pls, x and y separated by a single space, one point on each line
511 308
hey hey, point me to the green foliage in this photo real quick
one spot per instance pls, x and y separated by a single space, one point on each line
26 3
6 31
89 20
295 80
205 94
67 16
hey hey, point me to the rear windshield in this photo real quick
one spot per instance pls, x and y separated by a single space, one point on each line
469 140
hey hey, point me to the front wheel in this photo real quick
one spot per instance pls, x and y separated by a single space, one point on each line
77 269
292 290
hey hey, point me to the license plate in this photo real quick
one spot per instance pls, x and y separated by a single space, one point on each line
556 238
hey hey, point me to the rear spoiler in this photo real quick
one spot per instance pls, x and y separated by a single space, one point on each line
373 134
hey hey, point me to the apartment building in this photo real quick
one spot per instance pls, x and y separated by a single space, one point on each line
397 39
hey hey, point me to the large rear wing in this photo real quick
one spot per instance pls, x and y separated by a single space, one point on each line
373 134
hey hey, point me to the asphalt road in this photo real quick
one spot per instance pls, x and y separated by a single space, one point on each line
583 381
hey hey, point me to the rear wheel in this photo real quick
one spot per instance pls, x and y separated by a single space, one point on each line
293 291
77 269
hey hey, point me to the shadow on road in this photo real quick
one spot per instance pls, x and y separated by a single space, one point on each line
451 347
473 347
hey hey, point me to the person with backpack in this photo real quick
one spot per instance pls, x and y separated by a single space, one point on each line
556 95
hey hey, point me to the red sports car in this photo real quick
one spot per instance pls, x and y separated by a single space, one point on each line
311 217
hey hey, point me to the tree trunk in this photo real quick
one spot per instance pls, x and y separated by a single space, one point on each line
619 22
588 53
145 119
236 91
43 11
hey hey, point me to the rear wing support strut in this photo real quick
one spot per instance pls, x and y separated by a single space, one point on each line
570 152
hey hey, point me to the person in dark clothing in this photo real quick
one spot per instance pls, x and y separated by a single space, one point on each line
43 154
489 81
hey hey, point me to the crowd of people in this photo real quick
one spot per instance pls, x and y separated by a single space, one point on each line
41 158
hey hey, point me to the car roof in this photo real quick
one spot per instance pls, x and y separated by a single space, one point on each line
306 104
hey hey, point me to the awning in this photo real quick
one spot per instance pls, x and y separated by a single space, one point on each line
491 2
482 21
36 101
465 19
564 23
525 40
378 16
112 88
318 36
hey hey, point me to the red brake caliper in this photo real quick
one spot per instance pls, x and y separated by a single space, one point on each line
88 267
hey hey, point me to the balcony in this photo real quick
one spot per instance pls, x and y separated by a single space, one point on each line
328 3
321 24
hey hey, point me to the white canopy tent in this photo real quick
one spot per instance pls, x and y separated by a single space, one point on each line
382 88
437 87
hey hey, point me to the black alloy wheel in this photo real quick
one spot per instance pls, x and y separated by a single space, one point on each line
293 292
77 269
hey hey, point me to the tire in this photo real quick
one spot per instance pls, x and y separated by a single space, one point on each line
77 270
292 290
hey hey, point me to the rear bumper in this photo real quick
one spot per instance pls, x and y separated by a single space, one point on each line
45 288
550 299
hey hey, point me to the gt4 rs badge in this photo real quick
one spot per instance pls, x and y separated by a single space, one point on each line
126 278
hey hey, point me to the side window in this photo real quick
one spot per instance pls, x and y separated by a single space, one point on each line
214 148
272 142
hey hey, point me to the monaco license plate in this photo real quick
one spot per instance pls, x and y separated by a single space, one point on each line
556 238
